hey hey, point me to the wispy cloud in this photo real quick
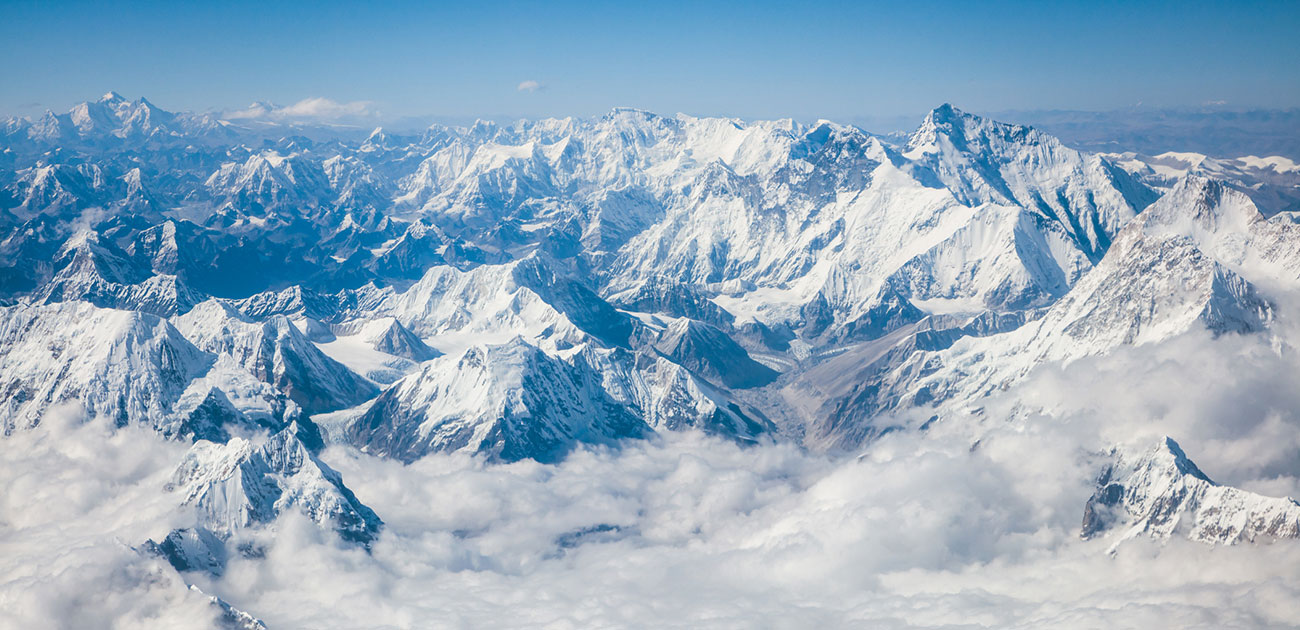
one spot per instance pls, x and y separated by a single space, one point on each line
530 86
316 108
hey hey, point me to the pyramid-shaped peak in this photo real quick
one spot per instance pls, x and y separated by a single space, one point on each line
1167 449
948 115
946 111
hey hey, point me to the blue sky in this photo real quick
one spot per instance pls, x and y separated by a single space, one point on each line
752 60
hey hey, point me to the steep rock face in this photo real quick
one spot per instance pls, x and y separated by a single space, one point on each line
98 273
1183 263
124 365
28 251
408 256
659 294
232 618
986 161
396 340
239 484
1161 493
278 353
713 355
191 549
1003 259
270 181
56 189
356 183
668 397
208 420
507 402
294 301
1191 260
578 303
229 400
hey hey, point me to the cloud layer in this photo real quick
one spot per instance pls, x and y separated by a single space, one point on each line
694 533
685 531
76 498
308 109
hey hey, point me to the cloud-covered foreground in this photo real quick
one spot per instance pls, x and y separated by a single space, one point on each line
922 530
76 497
697 533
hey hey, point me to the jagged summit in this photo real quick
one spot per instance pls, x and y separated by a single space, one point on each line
1160 492
931 340
238 484
675 270
507 402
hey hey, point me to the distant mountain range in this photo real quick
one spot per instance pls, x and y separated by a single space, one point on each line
1216 130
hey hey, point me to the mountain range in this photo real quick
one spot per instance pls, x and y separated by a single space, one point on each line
516 292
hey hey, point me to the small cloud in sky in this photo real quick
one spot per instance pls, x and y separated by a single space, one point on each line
530 86
1215 103
316 108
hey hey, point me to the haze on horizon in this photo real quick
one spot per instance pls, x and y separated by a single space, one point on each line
838 60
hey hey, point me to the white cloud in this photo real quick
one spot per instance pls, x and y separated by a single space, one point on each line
679 531
690 531
921 531
529 86
322 109
76 498
325 108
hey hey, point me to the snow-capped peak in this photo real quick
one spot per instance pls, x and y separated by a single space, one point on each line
1160 492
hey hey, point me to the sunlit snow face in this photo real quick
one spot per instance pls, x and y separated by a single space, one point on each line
688 531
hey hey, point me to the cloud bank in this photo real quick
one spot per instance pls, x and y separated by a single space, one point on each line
77 497
308 109
694 533
686 531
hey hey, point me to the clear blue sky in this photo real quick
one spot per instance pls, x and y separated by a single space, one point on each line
753 60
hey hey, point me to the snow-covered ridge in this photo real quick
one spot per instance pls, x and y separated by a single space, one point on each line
238 484
847 318
1196 259
1161 493
516 290
508 402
